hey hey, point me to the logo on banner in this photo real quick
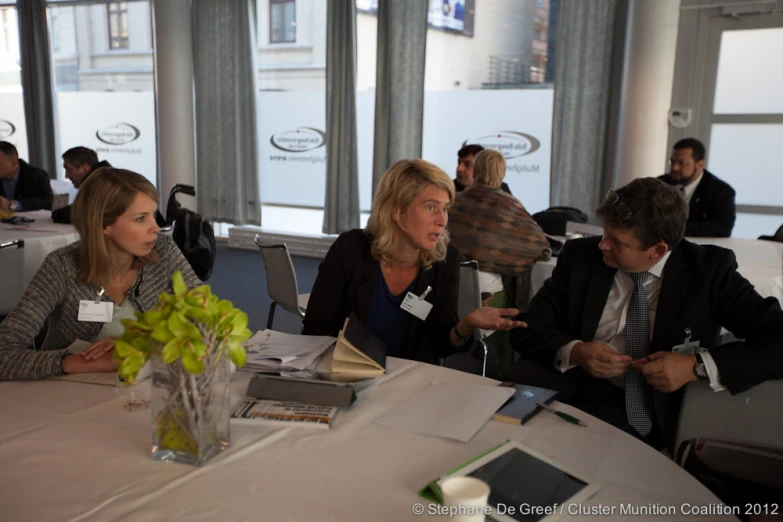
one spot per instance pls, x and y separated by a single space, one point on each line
301 139
512 144
6 129
118 134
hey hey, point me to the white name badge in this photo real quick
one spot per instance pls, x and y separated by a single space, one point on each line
417 306
690 348
93 312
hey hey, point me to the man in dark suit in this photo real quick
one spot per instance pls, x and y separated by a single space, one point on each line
607 323
79 163
711 200
466 176
22 186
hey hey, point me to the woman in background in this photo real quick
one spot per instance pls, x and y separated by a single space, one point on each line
494 228
404 249
119 260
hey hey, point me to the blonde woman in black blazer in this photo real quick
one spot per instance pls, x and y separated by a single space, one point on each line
403 249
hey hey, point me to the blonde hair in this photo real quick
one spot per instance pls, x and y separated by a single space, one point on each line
489 167
403 182
105 195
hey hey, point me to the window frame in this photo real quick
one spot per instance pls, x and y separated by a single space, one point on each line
119 9
272 41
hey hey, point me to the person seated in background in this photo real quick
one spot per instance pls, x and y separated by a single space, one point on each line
493 228
22 186
465 168
404 249
79 163
616 307
119 259
711 200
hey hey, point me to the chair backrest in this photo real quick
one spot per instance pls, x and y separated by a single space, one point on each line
745 417
12 281
280 275
469 292
553 220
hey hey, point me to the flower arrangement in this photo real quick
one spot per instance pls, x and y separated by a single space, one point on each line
190 336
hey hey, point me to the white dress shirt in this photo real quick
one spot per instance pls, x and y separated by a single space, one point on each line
688 190
611 326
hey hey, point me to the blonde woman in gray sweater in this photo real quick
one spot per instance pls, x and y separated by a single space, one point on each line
120 261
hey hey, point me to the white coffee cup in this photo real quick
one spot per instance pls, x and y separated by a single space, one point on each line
468 492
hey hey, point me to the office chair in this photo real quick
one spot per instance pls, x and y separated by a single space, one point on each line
281 281
12 282
469 300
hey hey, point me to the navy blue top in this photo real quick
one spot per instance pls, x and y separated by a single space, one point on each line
387 321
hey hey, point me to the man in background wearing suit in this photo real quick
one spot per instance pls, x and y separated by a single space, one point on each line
607 323
79 163
466 176
22 187
711 200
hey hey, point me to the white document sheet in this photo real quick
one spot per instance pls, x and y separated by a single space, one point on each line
270 349
453 411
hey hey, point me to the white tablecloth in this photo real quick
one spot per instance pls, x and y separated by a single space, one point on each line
69 452
40 238
760 262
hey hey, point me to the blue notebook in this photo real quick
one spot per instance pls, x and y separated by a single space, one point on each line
522 405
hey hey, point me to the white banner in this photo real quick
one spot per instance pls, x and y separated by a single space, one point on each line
119 126
292 143
12 122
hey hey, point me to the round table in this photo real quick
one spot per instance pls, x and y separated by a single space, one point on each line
40 238
71 452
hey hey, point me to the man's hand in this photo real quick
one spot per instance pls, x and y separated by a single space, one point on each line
599 359
667 371
5 204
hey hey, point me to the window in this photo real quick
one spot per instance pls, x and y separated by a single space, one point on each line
487 85
105 100
12 120
282 21
118 25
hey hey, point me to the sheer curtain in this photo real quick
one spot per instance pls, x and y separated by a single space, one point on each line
225 72
588 66
37 85
399 94
341 208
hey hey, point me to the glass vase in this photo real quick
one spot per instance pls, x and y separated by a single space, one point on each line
190 413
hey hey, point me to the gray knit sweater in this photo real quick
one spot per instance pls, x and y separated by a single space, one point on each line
55 293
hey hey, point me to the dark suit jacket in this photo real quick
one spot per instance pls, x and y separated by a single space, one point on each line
63 215
346 283
33 191
712 211
701 290
459 187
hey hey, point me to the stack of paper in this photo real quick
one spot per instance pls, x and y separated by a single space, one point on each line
278 351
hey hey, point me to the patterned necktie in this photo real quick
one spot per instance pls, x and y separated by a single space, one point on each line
638 394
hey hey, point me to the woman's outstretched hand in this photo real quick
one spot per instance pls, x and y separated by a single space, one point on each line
488 318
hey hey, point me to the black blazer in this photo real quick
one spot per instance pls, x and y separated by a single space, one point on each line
459 187
33 191
712 211
701 290
346 283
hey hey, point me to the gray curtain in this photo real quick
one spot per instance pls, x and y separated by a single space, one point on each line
225 72
342 170
399 91
37 84
588 63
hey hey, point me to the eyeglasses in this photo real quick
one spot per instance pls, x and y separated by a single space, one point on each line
622 208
